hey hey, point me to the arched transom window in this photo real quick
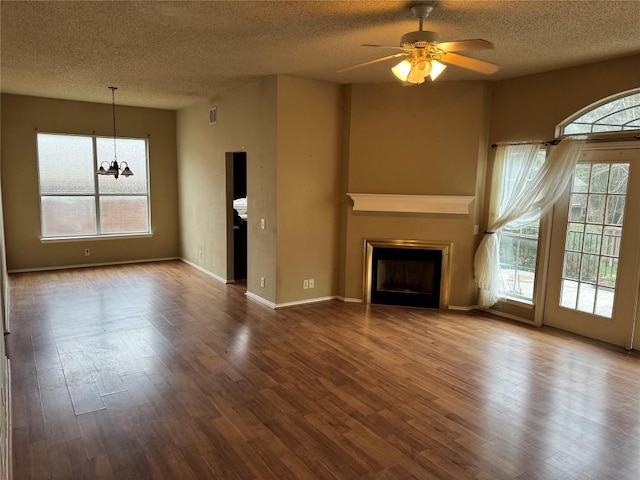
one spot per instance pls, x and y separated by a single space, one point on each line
614 114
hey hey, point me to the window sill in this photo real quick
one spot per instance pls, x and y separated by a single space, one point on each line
93 238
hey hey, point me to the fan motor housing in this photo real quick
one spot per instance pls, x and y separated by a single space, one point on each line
414 39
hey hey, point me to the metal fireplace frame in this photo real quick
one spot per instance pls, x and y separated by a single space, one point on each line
444 247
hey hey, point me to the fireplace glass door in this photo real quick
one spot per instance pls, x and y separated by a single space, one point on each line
406 276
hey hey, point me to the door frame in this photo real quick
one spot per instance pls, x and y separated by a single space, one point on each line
631 336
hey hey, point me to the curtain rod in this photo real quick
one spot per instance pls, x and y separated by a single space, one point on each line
545 142
555 141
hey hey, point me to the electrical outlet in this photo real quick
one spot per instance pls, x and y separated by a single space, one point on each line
200 255
87 252
262 223
312 283
475 229
262 282
305 284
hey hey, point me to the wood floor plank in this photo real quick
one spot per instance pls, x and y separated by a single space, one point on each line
188 379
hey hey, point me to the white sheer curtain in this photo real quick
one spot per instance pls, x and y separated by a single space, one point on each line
532 194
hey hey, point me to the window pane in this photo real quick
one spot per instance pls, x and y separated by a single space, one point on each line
595 209
518 250
569 294
592 239
581 178
593 243
605 128
123 214
133 152
615 210
619 178
574 129
611 241
614 115
578 207
586 298
571 265
604 302
589 268
599 178
623 116
65 216
575 237
608 272
65 164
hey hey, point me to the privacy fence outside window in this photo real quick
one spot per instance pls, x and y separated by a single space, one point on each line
76 202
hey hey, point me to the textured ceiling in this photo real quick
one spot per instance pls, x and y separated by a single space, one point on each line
170 54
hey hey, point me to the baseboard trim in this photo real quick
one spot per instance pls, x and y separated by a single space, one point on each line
305 302
260 300
88 265
509 316
349 300
463 308
205 271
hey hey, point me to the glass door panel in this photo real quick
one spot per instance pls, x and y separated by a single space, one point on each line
594 231
594 262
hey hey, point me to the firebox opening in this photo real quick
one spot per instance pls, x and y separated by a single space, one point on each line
406 276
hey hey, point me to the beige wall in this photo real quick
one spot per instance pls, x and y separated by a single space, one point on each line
246 122
4 278
22 117
427 140
529 108
309 163
290 130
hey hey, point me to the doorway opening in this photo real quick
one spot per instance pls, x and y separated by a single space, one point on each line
236 172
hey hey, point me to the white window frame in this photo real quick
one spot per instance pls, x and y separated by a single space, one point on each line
96 195
631 124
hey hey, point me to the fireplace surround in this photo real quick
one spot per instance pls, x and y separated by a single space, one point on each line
408 273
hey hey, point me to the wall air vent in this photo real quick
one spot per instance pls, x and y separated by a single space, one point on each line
213 115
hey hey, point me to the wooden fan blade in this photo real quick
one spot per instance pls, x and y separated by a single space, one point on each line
383 59
396 47
459 45
469 63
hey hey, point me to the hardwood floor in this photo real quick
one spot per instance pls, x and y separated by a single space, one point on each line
158 371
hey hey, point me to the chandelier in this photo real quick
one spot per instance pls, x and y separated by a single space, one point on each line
113 168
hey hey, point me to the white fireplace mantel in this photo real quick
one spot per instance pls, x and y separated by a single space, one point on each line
442 204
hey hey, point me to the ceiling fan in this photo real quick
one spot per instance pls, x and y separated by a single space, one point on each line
424 54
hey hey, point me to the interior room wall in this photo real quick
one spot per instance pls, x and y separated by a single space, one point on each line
426 140
529 108
246 122
309 172
4 276
22 118
5 389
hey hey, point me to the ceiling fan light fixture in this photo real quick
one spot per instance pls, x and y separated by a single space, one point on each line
402 70
436 69
423 51
413 70
420 71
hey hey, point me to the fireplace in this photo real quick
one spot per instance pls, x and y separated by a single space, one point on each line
407 272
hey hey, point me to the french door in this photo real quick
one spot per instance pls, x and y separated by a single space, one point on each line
594 260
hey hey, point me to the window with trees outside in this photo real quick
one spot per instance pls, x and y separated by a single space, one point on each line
595 220
594 233
76 202
621 113
519 243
